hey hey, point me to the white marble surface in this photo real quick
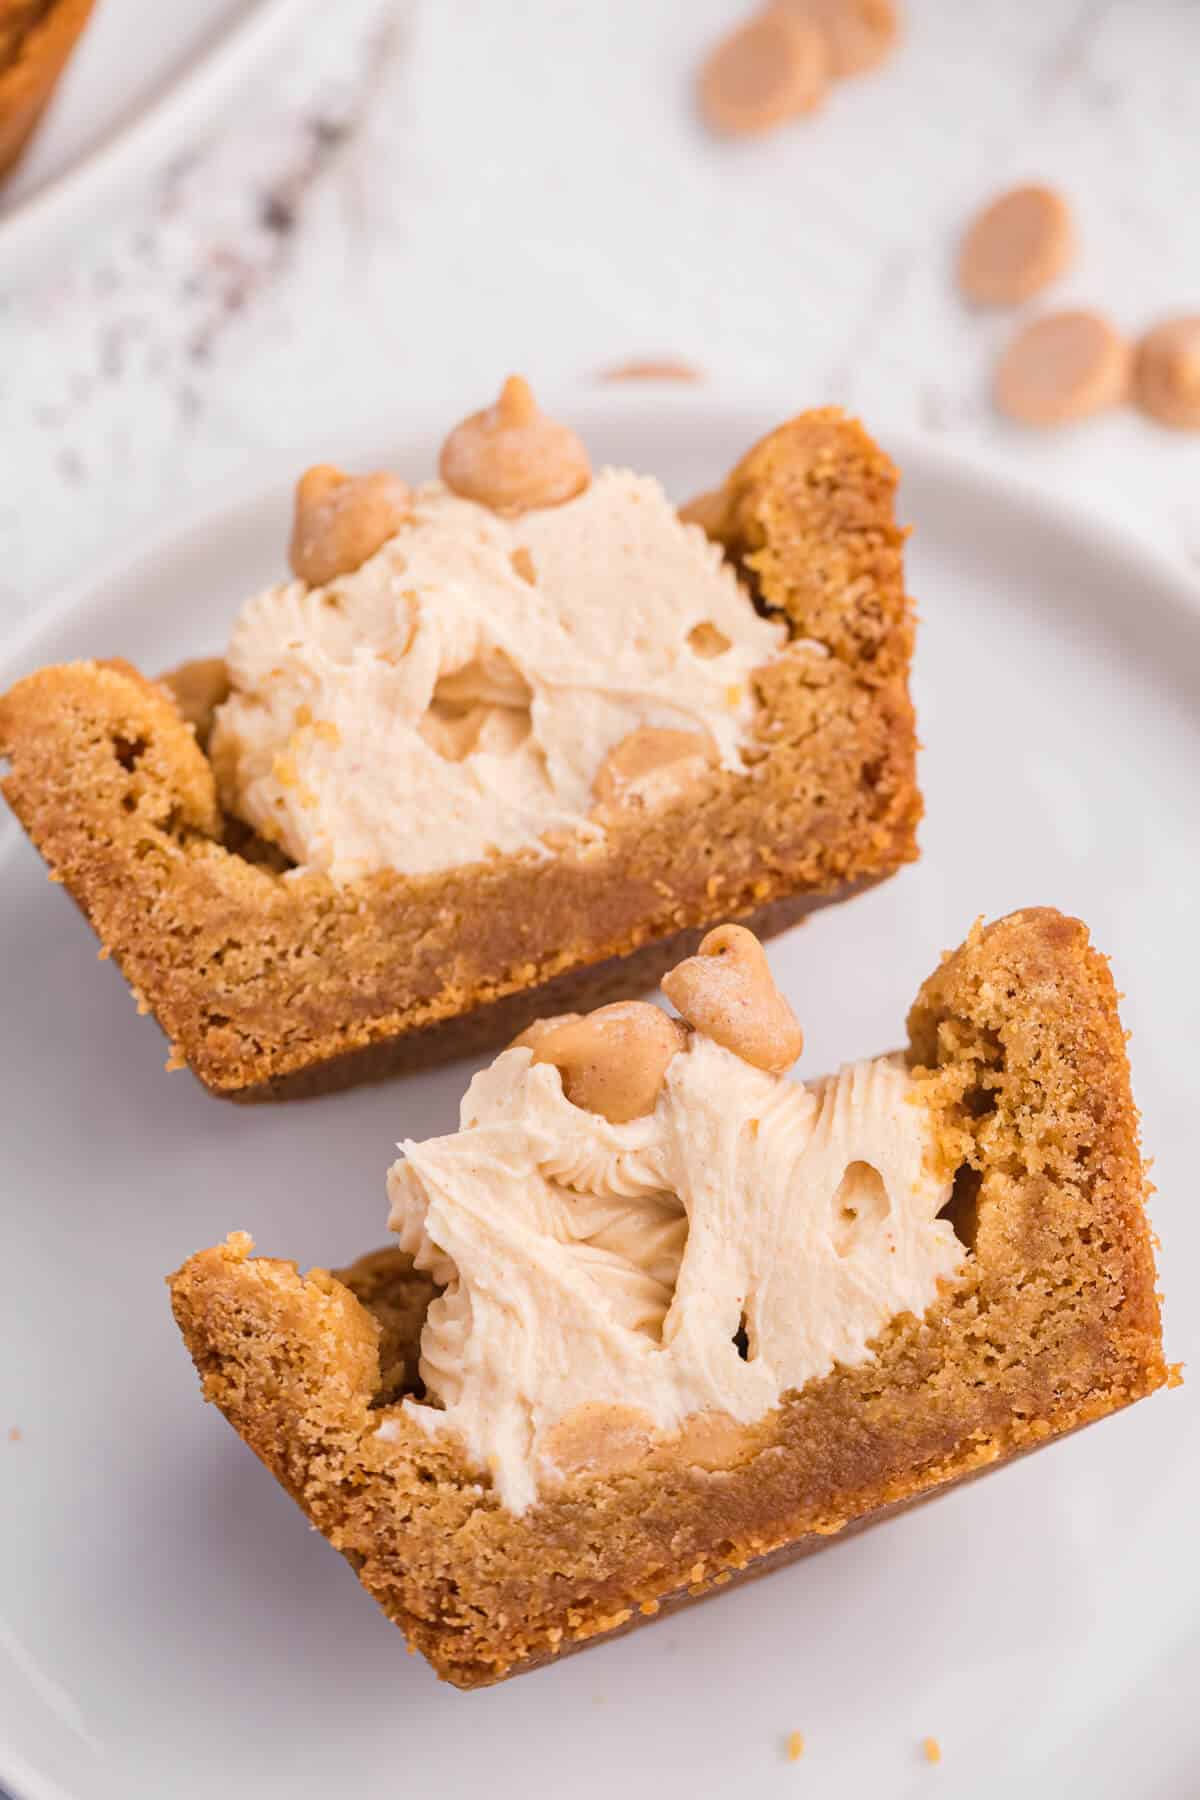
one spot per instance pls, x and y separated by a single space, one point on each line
423 194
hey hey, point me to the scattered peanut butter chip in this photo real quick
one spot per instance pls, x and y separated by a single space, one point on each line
666 368
342 520
1166 373
1062 367
795 1746
512 458
727 992
858 34
614 1061
932 1749
771 69
1015 247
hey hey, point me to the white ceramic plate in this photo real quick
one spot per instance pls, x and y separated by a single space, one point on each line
143 77
171 1626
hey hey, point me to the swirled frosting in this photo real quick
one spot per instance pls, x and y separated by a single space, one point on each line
456 696
698 1262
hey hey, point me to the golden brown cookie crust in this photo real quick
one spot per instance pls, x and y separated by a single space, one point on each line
1018 1044
270 984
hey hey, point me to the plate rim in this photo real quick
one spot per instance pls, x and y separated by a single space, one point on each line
23 1782
140 145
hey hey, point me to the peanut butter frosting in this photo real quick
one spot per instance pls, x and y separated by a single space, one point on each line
458 695
608 1286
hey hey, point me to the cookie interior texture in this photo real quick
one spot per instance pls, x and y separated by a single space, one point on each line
271 985
1017 1044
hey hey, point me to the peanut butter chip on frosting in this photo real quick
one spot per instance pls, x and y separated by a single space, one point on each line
613 1061
727 992
533 1034
767 71
512 458
342 520
1015 247
1063 367
1166 377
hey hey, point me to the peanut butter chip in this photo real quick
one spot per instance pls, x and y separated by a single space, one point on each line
198 689
598 1440
613 1061
1166 376
651 766
512 458
727 992
858 33
708 511
1015 247
1065 366
342 520
768 71
532 1036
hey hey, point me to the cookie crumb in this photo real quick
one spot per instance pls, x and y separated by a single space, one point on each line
795 1746
932 1749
